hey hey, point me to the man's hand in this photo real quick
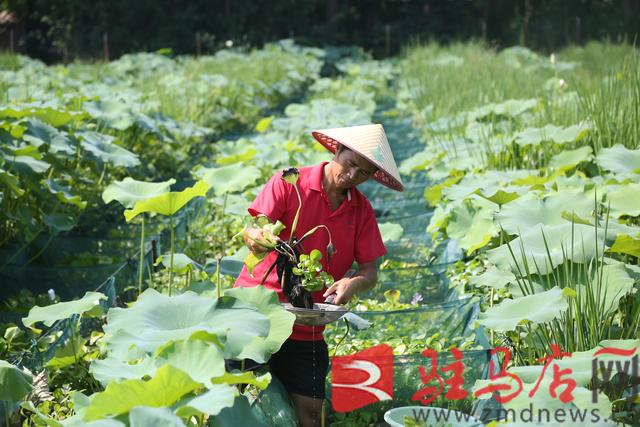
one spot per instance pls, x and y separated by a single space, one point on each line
252 236
347 287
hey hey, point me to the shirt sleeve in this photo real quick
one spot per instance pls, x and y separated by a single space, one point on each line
369 245
272 199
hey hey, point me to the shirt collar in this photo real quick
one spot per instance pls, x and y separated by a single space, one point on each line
315 182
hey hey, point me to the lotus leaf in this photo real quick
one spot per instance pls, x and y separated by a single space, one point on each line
69 354
575 242
113 111
59 222
114 369
488 184
129 191
535 136
14 383
229 179
611 282
63 310
472 225
619 160
536 308
28 164
38 133
264 123
104 149
624 200
167 386
167 203
419 161
571 158
248 377
63 193
53 116
626 244
390 231
144 416
10 182
181 262
281 321
529 212
156 319
211 402
200 360
510 107
494 278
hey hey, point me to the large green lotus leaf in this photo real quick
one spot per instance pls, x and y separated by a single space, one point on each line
243 157
472 225
167 386
247 377
167 203
619 160
63 310
211 402
493 278
115 369
63 194
28 164
114 112
104 149
68 354
181 262
59 222
528 212
280 323
53 116
535 136
229 179
440 217
199 359
144 416
626 244
14 384
418 161
510 107
129 191
236 204
10 182
575 242
390 231
536 308
487 184
570 158
624 200
38 133
156 319
611 282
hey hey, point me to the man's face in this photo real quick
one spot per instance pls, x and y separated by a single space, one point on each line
352 169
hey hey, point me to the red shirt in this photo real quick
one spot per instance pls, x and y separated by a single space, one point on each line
353 226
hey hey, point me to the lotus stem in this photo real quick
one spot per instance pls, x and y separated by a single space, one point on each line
218 291
295 219
141 264
171 256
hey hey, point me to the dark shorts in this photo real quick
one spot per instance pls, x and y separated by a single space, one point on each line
301 366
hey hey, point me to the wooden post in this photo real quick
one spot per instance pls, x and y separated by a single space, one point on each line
105 46
198 44
12 40
578 29
387 40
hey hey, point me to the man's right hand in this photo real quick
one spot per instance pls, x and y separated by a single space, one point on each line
251 238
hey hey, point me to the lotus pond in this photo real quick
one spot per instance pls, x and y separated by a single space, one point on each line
122 186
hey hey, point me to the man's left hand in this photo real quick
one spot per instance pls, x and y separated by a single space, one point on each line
344 292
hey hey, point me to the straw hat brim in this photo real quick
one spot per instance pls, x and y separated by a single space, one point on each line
381 175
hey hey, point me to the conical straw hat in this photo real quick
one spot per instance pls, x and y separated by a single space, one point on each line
371 143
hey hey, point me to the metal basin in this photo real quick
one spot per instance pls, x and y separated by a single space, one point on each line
319 315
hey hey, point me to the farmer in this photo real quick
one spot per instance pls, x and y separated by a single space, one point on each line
329 197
